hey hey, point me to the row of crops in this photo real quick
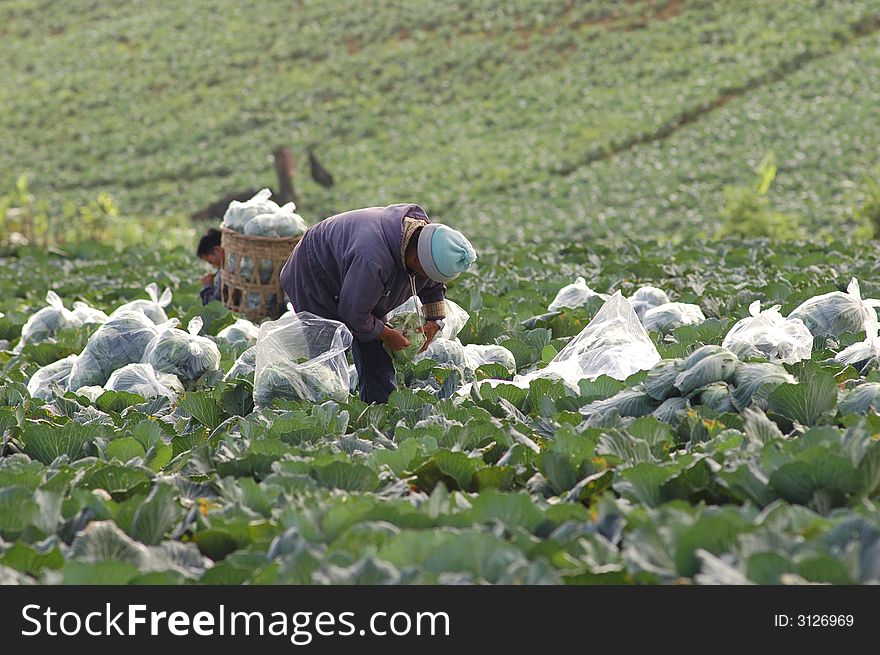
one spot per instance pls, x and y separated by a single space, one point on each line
737 472
569 83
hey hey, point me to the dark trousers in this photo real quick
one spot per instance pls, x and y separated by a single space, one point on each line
376 378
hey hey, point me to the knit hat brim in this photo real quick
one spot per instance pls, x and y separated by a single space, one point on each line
426 259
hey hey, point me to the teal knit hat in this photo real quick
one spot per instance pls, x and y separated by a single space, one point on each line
444 252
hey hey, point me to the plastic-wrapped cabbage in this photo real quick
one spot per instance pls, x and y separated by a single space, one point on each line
477 355
312 381
574 295
48 321
408 323
253 302
41 383
864 354
767 334
145 381
446 352
89 315
832 314
704 366
245 364
301 356
614 343
240 332
153 308
239 213
267 268
231 261
183 353
455 320
671 315
647 297
282 223
121 340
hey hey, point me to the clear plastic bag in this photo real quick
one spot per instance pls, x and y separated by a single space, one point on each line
245 364
282 223
477 355
121 340
240 332
153 308
183 353
832 314
446 352
145 381
456 316
865 353
574 295
767 334
301 357
41 383
614 343
647 297
48 321
89 315
671 315
238 213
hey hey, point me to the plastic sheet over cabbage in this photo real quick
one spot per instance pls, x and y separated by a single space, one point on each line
301 357
767 334
145 381
832 314
614 343
671 315
88 315
48 321
153 308
244 365
574 295
239 213
183 353
647 297
477 355
282 223
446 352
456 316
57 373
240 332
864 354
121 340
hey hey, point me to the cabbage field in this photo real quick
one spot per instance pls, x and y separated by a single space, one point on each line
762 472
669 370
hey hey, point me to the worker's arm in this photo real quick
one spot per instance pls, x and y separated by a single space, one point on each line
361 291
433 297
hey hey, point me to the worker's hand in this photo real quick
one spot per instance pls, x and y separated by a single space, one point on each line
208 279
393 339
430 330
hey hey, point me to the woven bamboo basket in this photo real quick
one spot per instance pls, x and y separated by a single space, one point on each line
251 273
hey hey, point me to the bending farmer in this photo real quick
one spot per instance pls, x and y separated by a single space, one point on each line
357 266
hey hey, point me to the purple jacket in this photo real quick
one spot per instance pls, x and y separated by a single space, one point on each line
348 268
